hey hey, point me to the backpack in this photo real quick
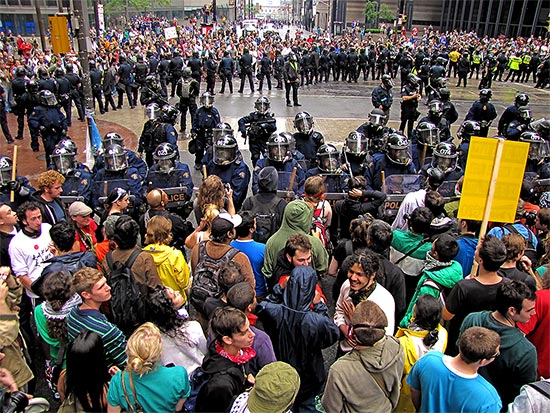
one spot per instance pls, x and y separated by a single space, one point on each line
319 226
530 250
267 220
154 133
205 278
185 90
127 301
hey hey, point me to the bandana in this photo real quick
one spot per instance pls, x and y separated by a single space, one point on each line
432 263
361 295
245 355
50 313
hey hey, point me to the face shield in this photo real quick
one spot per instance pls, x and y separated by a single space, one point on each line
538 150
224 155
399 156
116 162
207 101
444 164
428 136
262 107
277 151
63 162
525 114
304 124
165 165
5 174
328 162
357 146
436 108
152 111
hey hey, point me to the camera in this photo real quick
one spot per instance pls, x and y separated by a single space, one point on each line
530 218
14 402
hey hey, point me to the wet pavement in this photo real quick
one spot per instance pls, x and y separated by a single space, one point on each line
337 107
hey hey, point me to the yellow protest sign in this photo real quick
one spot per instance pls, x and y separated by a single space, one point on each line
492 180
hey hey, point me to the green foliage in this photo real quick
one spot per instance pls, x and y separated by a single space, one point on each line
385 14
141 5
371 15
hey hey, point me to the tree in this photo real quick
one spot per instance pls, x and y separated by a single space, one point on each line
371 13
385 14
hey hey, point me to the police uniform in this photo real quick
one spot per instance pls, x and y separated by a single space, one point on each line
78 182
179 176
245 64
50 124
196 68
286 168
75 89
226 70
351 64
204 121
374 172
188 91
175 70
134 162
308 144
483 113
260 127
23 191
265 71
18 88
237 174
96 77
382 98
211 69
105 181
162 70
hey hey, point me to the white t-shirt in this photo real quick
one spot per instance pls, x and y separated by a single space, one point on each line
29 254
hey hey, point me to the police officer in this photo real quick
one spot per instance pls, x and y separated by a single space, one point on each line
539 151
449 110
131 158
47 121
211 69
291 70
45 82
3 117
351 65
395 162
483 111
152 62
63 93
175 70
445 158
78 178
513 129
328 164
363 63
468 129
355 155
278 66
245 65
124 83
206 119
140 70
410 97
424 139
163 73
168 171
229 165
265 71
280 157
511 113
258 127
151 92
226 70
157 131
476 60
21 187
382 95
435 116
489 67
18 88
188 90
116 173
96 79
308 141
376 131
324 66
75 90
195 65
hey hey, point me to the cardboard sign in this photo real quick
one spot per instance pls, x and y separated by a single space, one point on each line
483 166
170 33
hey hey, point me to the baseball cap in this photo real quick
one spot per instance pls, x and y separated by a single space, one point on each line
79 209
225 222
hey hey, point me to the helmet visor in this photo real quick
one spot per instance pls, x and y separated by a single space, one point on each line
399 156
429 137
165 165
444 164
224 155
377 119
304 125
328 162
358 146
152 111
207 101
278 151
5 175
117 162
62 163
261 107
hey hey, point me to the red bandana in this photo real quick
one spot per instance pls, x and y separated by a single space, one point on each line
246 354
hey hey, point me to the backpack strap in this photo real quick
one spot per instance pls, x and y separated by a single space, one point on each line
132 258
408 253
538 386
109 259
380 381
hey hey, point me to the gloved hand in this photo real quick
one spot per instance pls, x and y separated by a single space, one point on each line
14 186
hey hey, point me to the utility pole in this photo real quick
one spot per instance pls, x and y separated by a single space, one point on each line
83 37
40 24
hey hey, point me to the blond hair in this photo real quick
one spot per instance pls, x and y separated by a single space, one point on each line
159 230
50 178
144 349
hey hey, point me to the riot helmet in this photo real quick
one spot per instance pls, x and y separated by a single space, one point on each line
186 73
485 95
47 98
59 72
328 158
303 122
445 157
521 99
152 82
225 150
278 147
115 158
435 177
397 149
169 114
378 117
32 86
20 71
112 138
445 93
69 144
262 105
63 159
207 100
468 129
435 108
441 61
356 144
427 134
43 72
69 66
166 156
542 127
413 80
538 147
6 167
439 82
524 113
387 81
223 129
153 111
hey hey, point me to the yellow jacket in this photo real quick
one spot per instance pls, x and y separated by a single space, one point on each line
414 349
171 266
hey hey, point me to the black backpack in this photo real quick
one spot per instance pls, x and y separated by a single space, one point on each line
154 133
205 277
267 220
127 299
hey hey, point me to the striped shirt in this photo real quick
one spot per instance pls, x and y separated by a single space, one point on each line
114 341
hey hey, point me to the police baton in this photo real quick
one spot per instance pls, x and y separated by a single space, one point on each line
292 178
14 172
423 157
204 173
383 176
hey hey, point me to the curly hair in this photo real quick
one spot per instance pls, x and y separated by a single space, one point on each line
57 291
161 312
211 192
49 178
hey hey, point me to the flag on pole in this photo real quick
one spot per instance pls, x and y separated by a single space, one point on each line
93 141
